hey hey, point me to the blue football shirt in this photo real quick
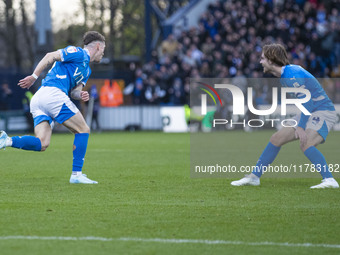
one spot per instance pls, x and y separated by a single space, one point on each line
72 70
296 77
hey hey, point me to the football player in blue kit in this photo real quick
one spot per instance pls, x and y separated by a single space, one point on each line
66 78
311 130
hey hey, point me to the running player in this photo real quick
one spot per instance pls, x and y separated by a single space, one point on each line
67 77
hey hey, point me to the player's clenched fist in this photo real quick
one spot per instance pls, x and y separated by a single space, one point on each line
85 96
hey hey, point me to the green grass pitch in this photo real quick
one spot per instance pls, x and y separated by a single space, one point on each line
145 191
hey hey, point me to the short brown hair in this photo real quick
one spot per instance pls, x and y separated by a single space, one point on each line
92 36
276 53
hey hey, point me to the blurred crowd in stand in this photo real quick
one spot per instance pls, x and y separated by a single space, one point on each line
228 43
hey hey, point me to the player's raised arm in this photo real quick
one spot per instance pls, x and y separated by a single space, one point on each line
47 60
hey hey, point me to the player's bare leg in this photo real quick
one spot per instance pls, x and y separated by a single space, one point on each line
77 124
43 131
283 136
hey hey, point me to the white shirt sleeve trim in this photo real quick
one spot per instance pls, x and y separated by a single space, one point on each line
61 55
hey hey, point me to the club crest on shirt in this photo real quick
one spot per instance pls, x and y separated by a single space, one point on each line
315 120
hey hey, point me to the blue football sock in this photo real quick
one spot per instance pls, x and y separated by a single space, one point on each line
26 142
319 161
79 150
266 158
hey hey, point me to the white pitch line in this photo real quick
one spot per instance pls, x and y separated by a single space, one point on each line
162 240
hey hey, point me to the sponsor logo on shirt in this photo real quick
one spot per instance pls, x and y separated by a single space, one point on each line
61 76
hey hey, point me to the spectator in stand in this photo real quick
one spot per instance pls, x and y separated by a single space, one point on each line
5 96
138 90
169 46
96 107
196 55
153 91
208 46
177 94
205 70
